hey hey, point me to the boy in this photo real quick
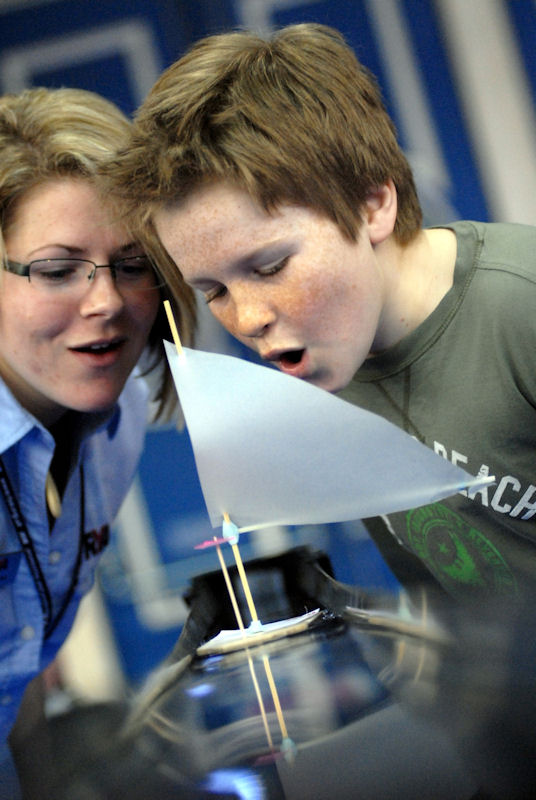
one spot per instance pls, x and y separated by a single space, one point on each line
271 174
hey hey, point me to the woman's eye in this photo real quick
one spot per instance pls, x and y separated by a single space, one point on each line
212 294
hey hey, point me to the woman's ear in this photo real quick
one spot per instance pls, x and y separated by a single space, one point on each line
380 212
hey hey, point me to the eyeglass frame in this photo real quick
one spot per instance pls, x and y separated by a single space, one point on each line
23 270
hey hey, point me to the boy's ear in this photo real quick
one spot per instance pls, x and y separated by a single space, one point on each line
380 212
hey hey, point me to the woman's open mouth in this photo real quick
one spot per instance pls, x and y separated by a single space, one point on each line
99 348
100 354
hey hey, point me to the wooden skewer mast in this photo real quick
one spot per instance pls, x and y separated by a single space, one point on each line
243 576
248 596
240 623
173 326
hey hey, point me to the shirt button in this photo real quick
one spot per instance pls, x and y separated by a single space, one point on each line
5 700
54 557
27 633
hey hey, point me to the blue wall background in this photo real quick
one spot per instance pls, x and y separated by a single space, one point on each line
119 49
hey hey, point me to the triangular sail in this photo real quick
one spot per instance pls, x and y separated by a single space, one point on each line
274 450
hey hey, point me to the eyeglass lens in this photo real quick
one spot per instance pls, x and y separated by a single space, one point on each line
53 274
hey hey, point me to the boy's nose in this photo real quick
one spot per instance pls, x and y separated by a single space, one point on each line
253 316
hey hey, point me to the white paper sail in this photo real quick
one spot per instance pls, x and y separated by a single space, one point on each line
274 450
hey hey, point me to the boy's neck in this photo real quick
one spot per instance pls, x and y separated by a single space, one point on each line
418 276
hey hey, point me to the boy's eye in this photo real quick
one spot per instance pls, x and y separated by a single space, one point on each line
212 294
262 272
273 268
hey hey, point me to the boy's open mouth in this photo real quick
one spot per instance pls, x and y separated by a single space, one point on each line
291 357
291 361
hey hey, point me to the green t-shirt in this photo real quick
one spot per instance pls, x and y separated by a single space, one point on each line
464 383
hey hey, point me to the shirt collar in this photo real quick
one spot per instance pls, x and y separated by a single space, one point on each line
16 421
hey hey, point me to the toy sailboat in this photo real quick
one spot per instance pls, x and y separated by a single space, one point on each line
274 450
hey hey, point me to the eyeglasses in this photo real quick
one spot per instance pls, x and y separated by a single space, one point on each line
72 276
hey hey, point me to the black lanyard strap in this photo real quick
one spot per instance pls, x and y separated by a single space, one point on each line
19 523
74 578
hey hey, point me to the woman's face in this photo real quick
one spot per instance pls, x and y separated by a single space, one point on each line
57 351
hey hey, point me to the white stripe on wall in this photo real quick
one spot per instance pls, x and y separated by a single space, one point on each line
415 118
131 39
495 94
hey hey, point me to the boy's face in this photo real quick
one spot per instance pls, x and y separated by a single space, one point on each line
287 284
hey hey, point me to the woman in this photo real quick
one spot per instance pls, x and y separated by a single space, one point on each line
80 303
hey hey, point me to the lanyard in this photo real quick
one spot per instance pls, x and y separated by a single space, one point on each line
19 523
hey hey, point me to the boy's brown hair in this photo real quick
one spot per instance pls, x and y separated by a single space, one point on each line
293 119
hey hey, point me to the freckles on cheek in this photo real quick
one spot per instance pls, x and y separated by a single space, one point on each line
308 300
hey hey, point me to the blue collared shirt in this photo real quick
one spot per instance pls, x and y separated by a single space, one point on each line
106 461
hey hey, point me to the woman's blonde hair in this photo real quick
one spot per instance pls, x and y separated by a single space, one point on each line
292 119
52 133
